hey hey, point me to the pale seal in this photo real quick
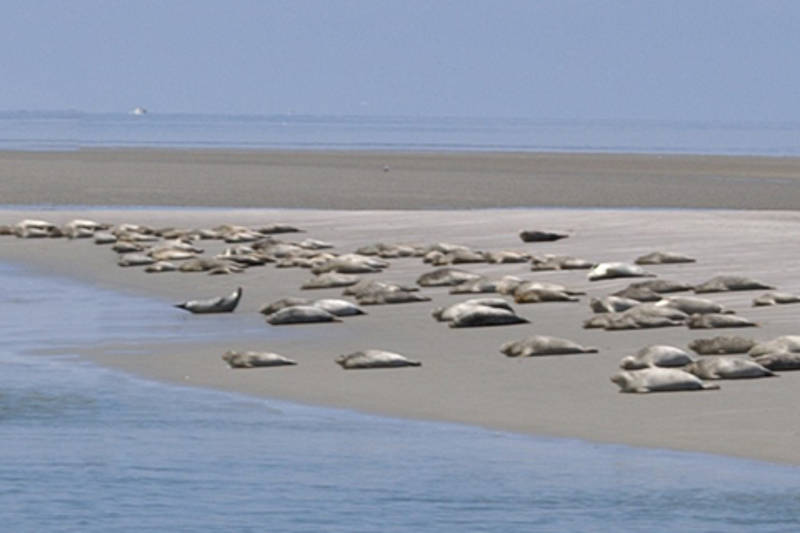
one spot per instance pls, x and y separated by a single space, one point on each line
660 258
774 298
507 256
533 295
617 270
537 345
446 277
638 317
721 345
560 262
785 343
330 280
727 367
300 314
282 303
730 283
255 359
657 379
222 304
135 259
338 307
446 314
659 355
482 315
693 305
374 359
717 320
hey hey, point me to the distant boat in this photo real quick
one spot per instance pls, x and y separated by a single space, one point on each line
138 111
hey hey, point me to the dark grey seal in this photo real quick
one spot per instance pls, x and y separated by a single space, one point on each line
660 258
221 304
541 236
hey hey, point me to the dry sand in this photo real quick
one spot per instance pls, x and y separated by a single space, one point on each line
464 377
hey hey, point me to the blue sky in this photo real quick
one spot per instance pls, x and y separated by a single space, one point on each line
562 59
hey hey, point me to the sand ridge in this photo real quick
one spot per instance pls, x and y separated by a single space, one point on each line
464 377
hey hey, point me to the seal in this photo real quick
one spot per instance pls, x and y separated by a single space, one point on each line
527 286
537 345
785 343
727 367
617 270
221 304
330 280
135 259
612 304
449 313
778 361
277 305
662 286
730 283
641 294
338 307
483 315
716 320
661 258
774 298
693 305
559 262
374 359
721 345
541 236
254 359
300 314
657 379
639 317
659 355
447 276
507 256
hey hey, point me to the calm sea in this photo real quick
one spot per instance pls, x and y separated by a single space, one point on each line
21 130
88 449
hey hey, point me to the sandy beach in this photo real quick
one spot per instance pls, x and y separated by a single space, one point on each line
744 223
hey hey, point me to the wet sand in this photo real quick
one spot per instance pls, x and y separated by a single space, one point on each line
464 377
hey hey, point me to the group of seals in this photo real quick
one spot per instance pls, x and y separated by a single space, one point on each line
356 360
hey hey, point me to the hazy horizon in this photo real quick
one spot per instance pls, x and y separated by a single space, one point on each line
713 60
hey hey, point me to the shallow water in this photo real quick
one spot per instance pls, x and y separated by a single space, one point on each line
69 130
91 449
